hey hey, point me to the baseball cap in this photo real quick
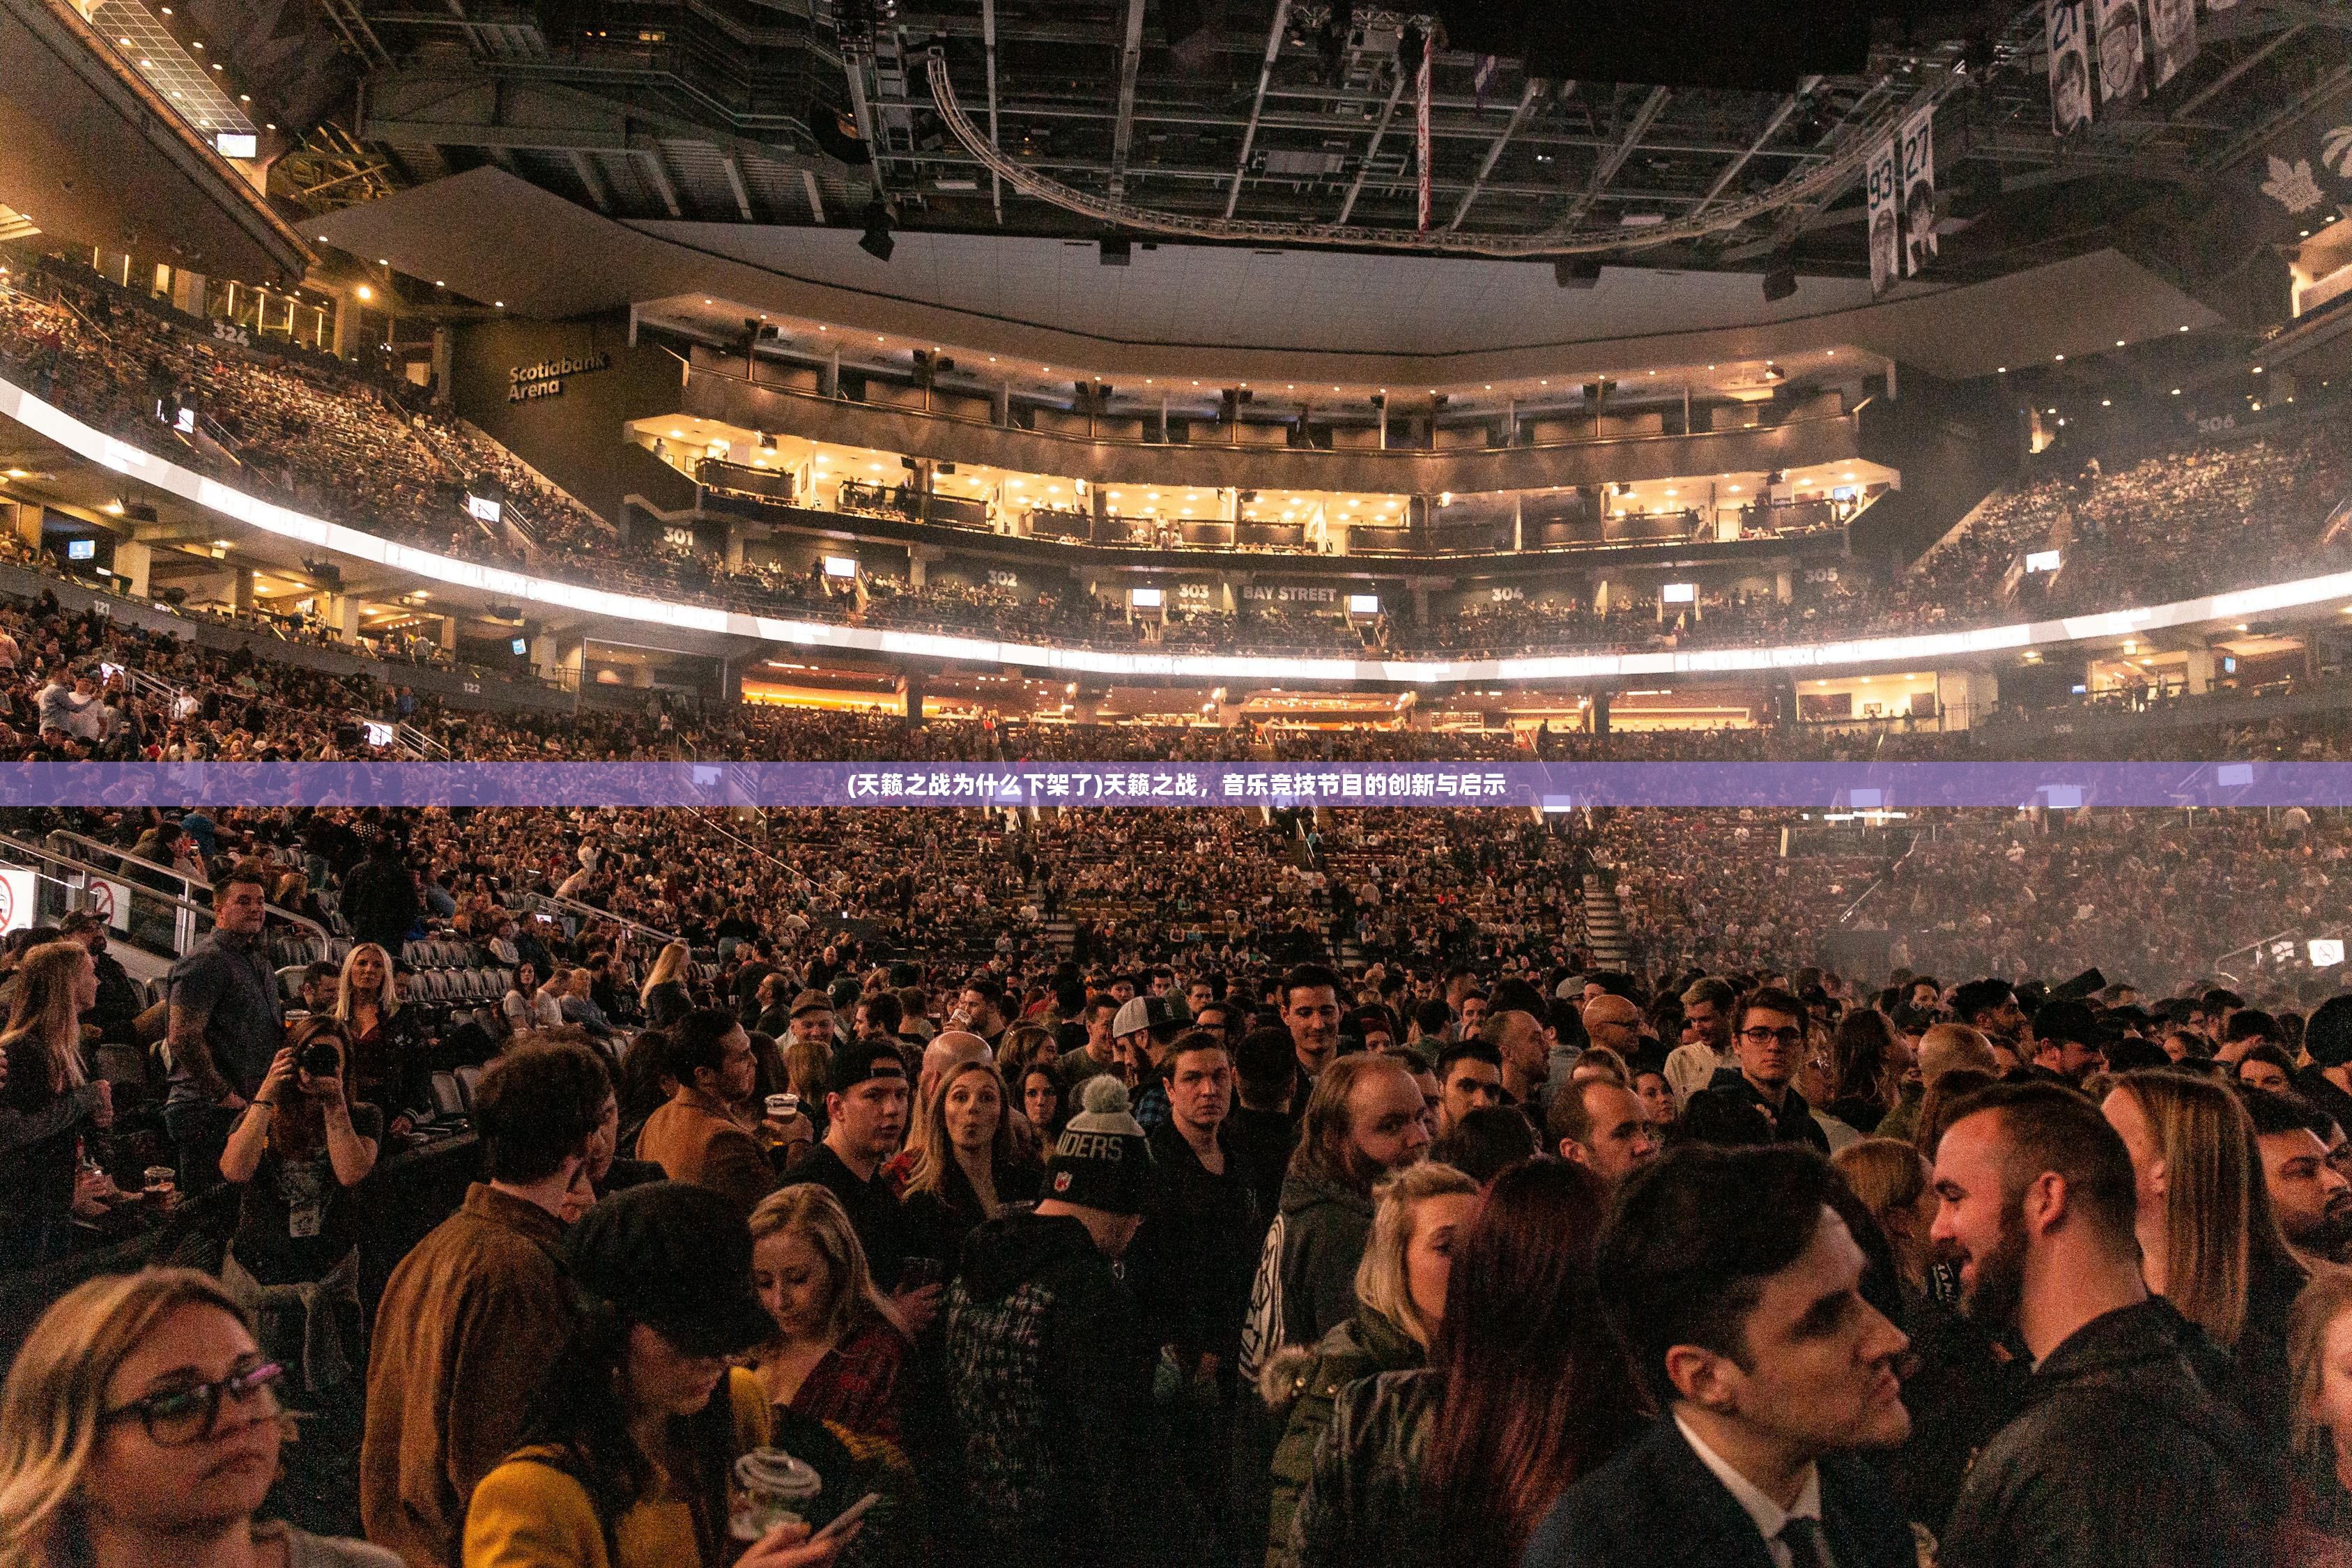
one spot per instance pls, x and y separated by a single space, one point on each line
676 1257
861 1060
1103 1160
1139 1014
2066 1020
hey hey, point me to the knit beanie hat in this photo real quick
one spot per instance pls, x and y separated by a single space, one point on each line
1103 1160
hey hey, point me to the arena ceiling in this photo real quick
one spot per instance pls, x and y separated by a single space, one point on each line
799 112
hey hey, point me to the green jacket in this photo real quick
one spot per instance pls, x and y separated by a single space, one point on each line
1308 1384
1903 1120
1362 1500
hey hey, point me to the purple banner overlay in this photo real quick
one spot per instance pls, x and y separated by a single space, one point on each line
1545 786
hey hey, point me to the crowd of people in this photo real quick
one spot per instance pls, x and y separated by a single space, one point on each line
2195 516
809 1232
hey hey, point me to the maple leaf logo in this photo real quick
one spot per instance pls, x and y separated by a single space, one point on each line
2291 185
2335 151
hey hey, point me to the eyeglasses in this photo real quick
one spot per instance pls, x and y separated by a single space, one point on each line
1790 1037
184 1415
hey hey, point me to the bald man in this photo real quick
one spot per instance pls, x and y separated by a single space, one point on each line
1613 1021
1527 1058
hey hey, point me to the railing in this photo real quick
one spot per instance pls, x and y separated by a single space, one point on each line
534 902
417 743
151 919
189 881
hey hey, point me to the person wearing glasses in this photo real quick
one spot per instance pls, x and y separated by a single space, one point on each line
140 1424
1769 1046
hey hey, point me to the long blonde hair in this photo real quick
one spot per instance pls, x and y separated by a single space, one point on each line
53 1405
1380 1279
45 1012
387 1001
2328 1298
2217 1213
814 1213
935 1157
667 965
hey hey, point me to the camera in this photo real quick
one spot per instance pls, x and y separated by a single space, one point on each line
320 1058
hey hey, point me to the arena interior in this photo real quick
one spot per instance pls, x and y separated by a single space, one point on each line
1473 786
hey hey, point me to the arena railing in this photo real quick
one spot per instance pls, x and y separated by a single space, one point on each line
514 587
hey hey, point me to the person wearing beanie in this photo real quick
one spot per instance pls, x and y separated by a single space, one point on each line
634 1434
1049 1368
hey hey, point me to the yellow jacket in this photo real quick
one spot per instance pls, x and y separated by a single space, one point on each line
528 1514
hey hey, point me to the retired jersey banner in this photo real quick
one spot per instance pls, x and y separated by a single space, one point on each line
1916 157
1886 216
2070 69
2123 46
2172 33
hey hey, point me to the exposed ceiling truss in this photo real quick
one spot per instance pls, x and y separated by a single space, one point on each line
1273 114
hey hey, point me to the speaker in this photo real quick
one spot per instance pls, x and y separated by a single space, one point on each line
1779 283
1116 252
1576 272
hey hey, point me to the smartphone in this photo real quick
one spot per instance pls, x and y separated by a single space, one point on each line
846 1518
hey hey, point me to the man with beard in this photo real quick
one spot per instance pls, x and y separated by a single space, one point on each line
2122 1451
2310 1196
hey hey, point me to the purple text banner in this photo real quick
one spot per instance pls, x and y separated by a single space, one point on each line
1545 786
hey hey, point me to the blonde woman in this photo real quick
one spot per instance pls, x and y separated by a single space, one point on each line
1399 1296
48 1104
2209 1243
140 1424
388 1067
836 1355
664 996
1895 1183
2319 1526
970 1167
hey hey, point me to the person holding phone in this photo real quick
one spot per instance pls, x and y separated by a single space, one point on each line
626 1458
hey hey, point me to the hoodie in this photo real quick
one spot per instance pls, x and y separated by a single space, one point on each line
1051 1383
1306 1283
2122 1453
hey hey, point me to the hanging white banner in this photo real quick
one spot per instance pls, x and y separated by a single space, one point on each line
2070 69
2172 33
2123 49
1916 157
1885 189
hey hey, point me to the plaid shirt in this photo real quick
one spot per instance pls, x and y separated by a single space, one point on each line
855 1385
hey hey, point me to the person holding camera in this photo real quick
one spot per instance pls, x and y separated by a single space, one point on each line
295 1155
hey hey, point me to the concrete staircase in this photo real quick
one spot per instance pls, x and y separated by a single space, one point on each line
1604 923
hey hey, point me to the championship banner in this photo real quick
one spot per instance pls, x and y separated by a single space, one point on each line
1886 187
1916 156
2123 49
2172 33
1421 124
2300 177
2070 69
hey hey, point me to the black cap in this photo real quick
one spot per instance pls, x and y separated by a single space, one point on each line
677 1258
862 1059
2066 1020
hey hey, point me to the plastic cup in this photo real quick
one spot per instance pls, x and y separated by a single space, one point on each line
772 1489
783 1107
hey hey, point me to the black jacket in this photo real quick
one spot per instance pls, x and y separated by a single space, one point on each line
1792 1123
2122 1455
1658 1503
379 902
1193 1259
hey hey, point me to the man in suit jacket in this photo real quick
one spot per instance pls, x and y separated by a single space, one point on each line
1737 1288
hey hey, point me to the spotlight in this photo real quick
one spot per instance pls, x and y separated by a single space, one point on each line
877 241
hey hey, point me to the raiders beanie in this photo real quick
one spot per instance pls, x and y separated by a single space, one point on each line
1103 1160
